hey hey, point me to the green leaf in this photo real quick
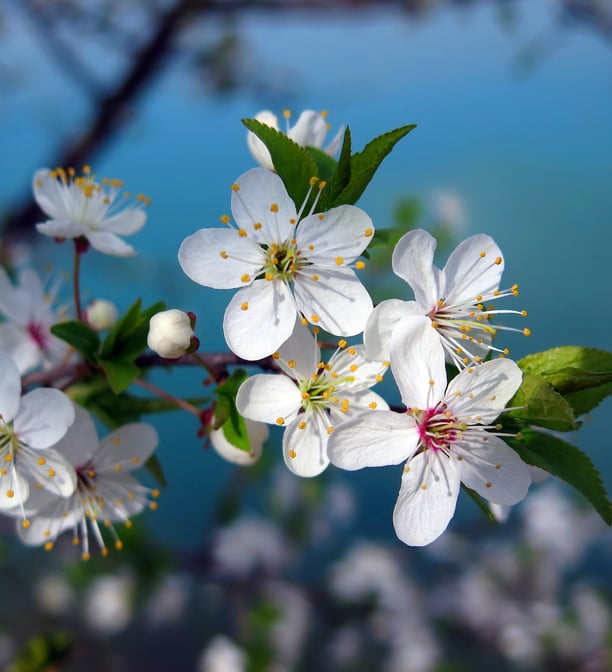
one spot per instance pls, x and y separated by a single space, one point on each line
338 181
119 373
326 164
582 375
154 467
79 336
567 462
294 164
365 163
128 338
226 413
541 405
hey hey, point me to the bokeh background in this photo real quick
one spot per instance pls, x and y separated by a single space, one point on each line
252 569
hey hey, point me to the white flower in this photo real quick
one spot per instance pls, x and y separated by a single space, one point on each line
29 426
108 603
78 206
170 333
309 130
102 314
257 433
269 254
222 655
313 398
443 437
453 298
106 492
29 314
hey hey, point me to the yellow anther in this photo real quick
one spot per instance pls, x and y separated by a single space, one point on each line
483 255
51 472
342 343
368 233
225 219
223 254
527 332
292 454
488 484
118 544
269 277
524 313
373 405
153 506
155 492
8 457
352 351
498 261
330 430
135 460
257 226
25 524
360 265
378 378
274 207
104 552
280 421
245 277
117 467
435 325
86 170
48 546
498 466
235 187
291 363
287 113
353 368
313 180
85 556
314 318
321 215
339 261
322 184
424 486
304 321
275 355
315 277
311 247
244 306
242 233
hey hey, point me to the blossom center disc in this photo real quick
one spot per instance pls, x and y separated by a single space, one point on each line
283 261
438 429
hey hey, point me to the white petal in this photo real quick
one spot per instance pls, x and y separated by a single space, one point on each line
123 496
305 450
259 319
337 302
417 362
373 439
362 371
468 273
14 490
16 342
127 448
427 499
61 228
50 194
256 146
10 387
252 204
493 469
126 222
309 130
412 261
80 442
381 323
335 143
50 469
302 351
266 397
109 243
43 418
479 393
220 258
341 233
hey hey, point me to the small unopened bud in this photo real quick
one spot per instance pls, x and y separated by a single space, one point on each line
257 433
170 334
102 314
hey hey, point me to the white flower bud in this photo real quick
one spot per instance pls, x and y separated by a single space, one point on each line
102 314
170 333
258 434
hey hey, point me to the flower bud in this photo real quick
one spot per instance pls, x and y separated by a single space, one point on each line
101 314
170 333
258 434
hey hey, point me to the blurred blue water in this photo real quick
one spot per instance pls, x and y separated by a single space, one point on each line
527 146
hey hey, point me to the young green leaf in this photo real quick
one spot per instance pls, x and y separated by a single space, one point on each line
79 336
341 177
226 413
537 403
294 164
119 373
365 163
480 502
568 463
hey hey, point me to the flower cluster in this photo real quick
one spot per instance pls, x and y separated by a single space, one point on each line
295 248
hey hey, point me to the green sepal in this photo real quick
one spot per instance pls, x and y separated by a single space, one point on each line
154 467
81 337
365 163
120 373
582 375
480 502
568 463
293 164
226 413
541 405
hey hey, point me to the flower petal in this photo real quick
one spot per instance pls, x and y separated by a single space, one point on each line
256 146
220 258
259 319
51 469
305 450
309 130
471 269
109 243
252 203
302 351
258 434
266 397
483 391
427 499
16 342
417 362
61 228
492 468
373 439
80 442
412 261
10 388
351 363
127 448
14 490
50 194
43 418
126 222
381 323
336 302
341 233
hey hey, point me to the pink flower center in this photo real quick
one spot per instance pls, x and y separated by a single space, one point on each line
437 428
